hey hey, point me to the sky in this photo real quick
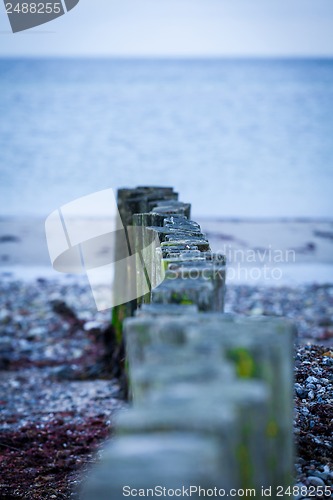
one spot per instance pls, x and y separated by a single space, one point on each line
179 28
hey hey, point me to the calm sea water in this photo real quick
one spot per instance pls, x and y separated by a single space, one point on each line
236 138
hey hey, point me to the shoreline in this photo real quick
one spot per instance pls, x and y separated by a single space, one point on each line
257 219
266 252
292 276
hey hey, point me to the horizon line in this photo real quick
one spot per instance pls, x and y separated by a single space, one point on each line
170 56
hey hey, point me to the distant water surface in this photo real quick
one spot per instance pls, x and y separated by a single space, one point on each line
234 137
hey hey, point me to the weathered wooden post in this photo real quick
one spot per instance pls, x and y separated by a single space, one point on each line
157 464
212 392
131 201
260 348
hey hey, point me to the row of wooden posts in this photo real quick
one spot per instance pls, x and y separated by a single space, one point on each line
211 393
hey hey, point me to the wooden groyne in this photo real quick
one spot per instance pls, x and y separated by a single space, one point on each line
211 393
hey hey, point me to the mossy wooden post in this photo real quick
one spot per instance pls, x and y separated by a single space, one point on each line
131 201
174 461
198 376
154 359
171 414
260 348
212 270
128 200
169 310
179 291
164 366
187 245
169 206
139 222
198 404
149 229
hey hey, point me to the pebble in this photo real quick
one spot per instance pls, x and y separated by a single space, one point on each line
315 481
310 386
301 391
312 380
5 315
322 475
92 325
290 303
39 350
312 420
37 331
311 395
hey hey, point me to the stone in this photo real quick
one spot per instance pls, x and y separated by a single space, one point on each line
315 481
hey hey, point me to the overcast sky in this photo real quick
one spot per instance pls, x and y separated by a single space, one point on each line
180 28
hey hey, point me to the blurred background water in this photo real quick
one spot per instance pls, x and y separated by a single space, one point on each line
234 137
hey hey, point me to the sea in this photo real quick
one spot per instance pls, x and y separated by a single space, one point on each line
236 138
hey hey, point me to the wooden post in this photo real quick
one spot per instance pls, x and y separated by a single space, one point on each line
212 392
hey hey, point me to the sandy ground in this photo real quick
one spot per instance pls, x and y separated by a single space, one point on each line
312 241
273 252
263 252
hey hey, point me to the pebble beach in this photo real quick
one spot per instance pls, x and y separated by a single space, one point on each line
58 399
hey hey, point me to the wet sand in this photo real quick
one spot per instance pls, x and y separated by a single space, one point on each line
300 251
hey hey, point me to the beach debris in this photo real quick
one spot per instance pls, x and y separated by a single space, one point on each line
9 238
323 234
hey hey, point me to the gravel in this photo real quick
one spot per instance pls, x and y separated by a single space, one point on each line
58 401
